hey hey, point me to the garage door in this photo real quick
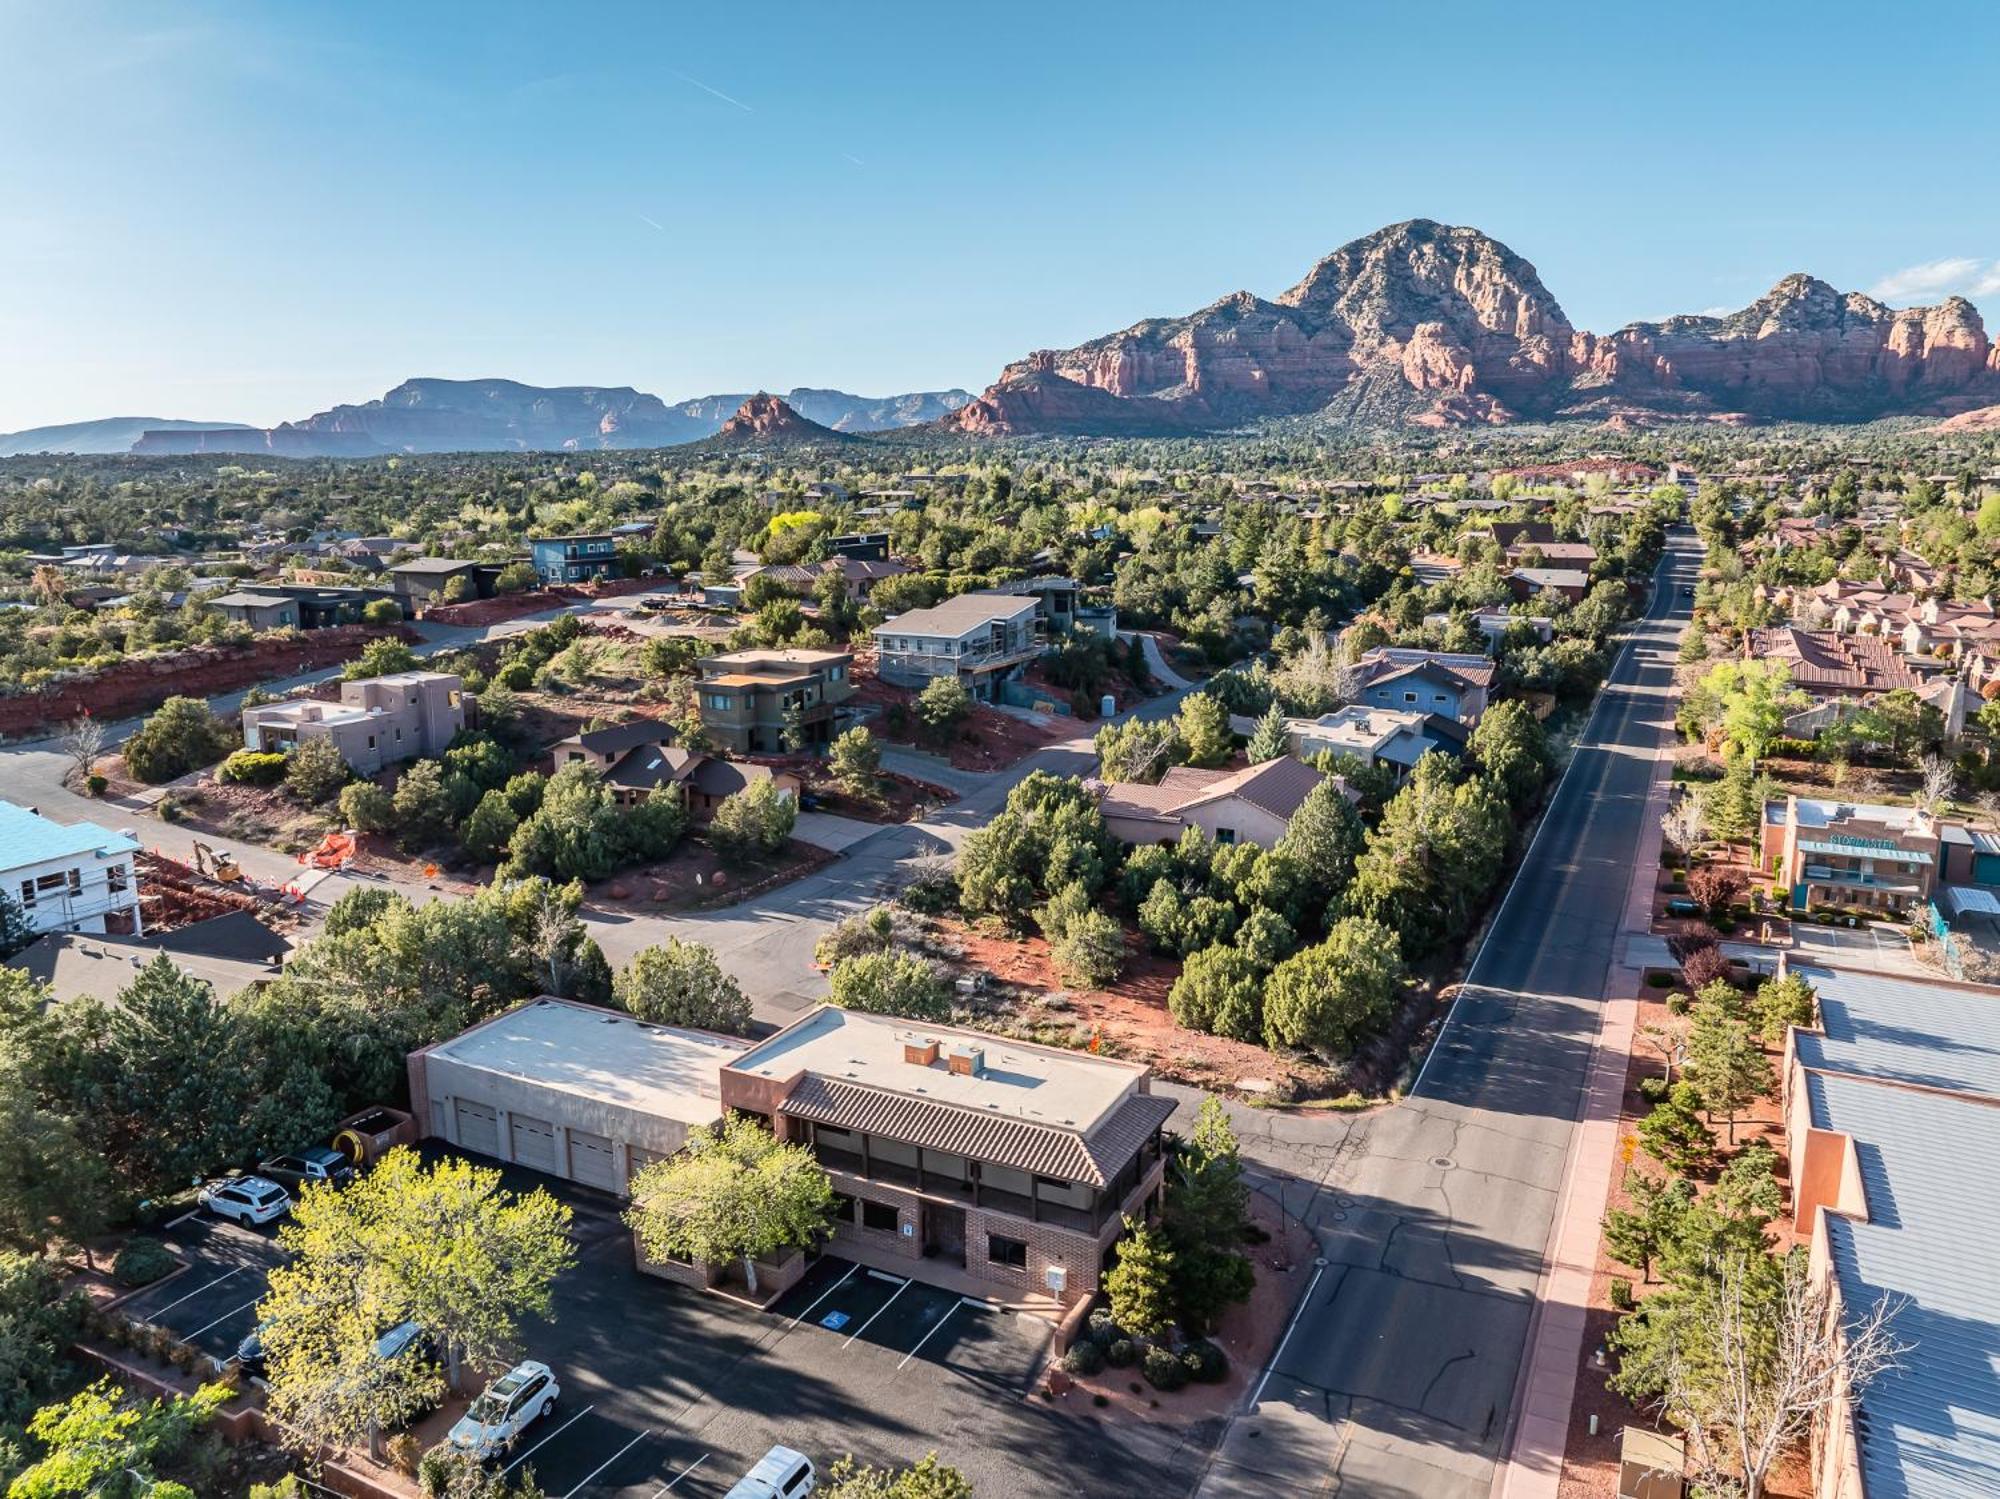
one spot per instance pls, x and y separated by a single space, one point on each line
535 1144
478 1127
637 1158
591 1161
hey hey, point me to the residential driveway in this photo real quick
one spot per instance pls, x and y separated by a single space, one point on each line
830 832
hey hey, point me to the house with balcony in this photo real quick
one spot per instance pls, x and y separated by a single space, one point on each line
961 1152
378 722
1450 684
1882 858
983 639
69 877
574 559
749 699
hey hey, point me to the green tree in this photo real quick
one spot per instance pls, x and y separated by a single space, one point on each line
1203 726
1139 750
486 832
1433 857
422 805
367 808
1140 1287
1638 1235
516 577
736 1193
444 1246
1270 740
752 822
38 1321
1733 807
929 1479
680 983
890 983
380 658
1206 1214
1746 701
1330 996
1725 1066
381 612
1322 842
16 930
855 760
1086 945
316 770
1508 744
1673 1133
182 735
1220 990
105 1442
943 705
1782 1003
53 1186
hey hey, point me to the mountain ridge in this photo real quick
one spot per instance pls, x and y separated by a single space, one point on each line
106 434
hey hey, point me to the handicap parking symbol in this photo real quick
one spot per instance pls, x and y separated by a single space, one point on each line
833 1321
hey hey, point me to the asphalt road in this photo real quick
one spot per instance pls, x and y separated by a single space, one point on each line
1398 1375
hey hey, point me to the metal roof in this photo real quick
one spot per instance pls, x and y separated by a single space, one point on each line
1932 1035
27 837
1931 1428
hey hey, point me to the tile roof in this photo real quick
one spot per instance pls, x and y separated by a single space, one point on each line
1043 1149
1824 660
624 736
1276 786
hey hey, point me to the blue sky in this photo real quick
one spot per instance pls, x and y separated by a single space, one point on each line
251 212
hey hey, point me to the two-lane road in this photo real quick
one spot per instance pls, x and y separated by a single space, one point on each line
1433 1216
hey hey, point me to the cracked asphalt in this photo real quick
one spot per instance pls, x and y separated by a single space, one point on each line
1399 1375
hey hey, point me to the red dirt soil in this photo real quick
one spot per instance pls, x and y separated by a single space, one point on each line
987 740
500 609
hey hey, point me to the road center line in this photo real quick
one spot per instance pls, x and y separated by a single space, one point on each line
607 1463
824 1294
682 1474
549 1438
878 1312
934 1327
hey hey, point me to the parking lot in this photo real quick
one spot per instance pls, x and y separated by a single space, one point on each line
671 1391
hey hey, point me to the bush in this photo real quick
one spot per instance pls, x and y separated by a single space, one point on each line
141 1262
1104 1329
182 736
316 770
1121 1353
1163 1368
252 768
756 820
1085 1358
95 784
382 612
367 808
1619 1293
1206 1362
1653 1089
885 983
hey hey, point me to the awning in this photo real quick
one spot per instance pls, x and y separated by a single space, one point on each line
1971 900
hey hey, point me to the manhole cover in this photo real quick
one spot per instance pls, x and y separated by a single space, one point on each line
1443 1162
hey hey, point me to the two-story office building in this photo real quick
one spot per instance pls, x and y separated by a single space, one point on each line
574 559
378 721
748 699
69 877
1013 1163
1854 854
983 639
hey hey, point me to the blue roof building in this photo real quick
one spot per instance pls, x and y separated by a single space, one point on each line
574 559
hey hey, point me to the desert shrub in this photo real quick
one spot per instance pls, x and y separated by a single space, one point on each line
1104 1328
1206 1362
316 770
1121 1353
1084 1357
183 735
1163 1368
1653 1089
252 768
1619 1293
141 1262
95 784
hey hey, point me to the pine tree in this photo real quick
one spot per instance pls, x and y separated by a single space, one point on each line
1270 740
1140 1285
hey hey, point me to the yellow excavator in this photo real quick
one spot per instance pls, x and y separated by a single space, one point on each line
216 866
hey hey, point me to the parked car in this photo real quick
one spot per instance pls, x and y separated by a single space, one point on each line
250 1352
512 1403
246 1199
319 1165
403 1339
1680 905
780 1473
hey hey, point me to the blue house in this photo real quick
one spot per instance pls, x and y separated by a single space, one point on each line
574 559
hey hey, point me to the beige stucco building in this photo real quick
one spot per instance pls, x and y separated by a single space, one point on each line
379 721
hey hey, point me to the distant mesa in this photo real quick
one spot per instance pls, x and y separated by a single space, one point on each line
1434 325
112 434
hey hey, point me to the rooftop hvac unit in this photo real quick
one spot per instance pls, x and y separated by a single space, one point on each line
967 1061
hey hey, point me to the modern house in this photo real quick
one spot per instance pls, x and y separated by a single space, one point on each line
379 721
1549 582
1241 806
303 606
422 579
749 698
1449 684
574 559
1855 854
1393 738
980 638
1892 1132
260 611
69 877
1010 1163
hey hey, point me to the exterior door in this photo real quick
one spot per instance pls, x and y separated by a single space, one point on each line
944 1232
478 1127
591 1161
535 1144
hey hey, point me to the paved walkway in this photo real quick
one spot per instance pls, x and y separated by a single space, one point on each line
1157 663
832 833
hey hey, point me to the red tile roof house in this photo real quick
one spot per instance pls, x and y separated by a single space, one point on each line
1242 806
1827 664
969 1159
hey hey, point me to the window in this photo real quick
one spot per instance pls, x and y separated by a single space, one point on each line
1012 1253
116 879
75 881
1409 697
879 1216
1225 835
843 1208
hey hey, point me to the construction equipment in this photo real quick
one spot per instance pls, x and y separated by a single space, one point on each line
216 866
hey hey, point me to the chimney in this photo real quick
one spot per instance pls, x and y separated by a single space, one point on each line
919 1053
967 1060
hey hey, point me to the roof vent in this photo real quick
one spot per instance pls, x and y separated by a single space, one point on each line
966 1060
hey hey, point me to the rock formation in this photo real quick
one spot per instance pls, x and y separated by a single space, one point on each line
764 420
1438 325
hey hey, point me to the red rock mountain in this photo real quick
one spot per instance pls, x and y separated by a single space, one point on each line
1439 325
766 420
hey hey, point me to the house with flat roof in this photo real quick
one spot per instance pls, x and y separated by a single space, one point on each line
230 953
1392 738
577 1091
1892 1136
749 699
1012 1163
422 579
574 559
983 639
1254 805
378 721
69 877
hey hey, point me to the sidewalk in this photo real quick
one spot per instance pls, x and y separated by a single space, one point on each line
1546 1388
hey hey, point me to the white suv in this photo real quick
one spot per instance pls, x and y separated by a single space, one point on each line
246 1199
513 1402
780 1473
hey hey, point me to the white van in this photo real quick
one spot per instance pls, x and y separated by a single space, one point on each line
780 1474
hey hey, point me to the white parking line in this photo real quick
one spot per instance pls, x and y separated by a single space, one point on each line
682 1474
160 1311
878 1312
189 1337
549 1438
177 1222
933 1332
824 1294
607 1463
